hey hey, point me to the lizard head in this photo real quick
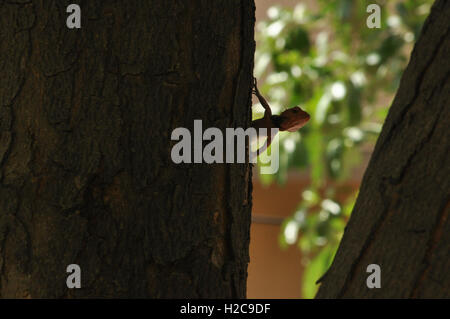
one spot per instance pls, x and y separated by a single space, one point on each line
293 119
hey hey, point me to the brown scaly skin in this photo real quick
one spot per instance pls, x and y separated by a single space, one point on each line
290 120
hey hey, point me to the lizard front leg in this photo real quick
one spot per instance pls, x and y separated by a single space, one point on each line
262 100
266 122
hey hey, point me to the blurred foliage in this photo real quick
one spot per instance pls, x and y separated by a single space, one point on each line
344 74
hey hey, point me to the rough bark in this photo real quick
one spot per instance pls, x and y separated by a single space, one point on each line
400 220
85 125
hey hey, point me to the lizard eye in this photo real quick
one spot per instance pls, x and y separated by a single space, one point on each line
295 110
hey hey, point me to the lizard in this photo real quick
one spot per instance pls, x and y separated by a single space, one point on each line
290 120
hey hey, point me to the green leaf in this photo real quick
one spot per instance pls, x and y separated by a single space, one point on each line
298 40
315 269
322 108
315 149
354 105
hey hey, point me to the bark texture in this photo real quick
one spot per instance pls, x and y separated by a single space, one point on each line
86 175
400 220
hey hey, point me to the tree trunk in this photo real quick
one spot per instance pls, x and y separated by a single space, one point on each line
86 175
400 220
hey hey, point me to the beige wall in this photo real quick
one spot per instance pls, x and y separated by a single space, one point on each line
273 272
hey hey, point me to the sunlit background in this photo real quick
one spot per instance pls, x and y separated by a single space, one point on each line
321 56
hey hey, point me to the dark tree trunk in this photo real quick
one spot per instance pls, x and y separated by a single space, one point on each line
400 220
85 140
